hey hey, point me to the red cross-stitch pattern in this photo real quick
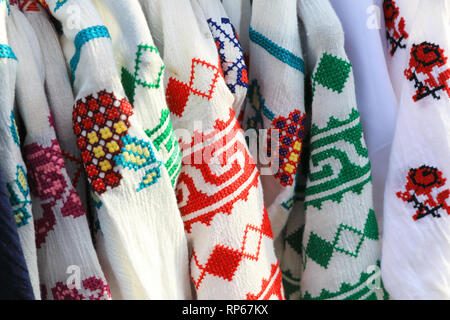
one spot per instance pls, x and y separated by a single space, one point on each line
425 189
428 70
29 5
99 124
395 26
224 261
237 170
270 287
202 83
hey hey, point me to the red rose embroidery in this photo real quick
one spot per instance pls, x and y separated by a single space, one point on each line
425 189
428 70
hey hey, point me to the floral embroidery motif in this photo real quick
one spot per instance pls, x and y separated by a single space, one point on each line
19 197
138 154
99 124
48 183
425 189
93 289
292 132
428 70
395 26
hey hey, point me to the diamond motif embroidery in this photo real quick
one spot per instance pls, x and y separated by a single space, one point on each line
138 154
332 73
202 83
224 261
347 240
145 54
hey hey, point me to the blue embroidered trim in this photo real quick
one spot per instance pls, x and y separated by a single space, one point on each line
278 52
6 52
81 38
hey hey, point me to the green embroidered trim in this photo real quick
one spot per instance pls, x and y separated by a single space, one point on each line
19 197
350 292
131 80
328 144
332 73
162 132
347 240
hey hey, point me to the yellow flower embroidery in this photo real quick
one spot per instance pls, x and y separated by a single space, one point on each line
106 133
120 127
98 151
297 145
112 146
293 157
289 168
105 165
93 137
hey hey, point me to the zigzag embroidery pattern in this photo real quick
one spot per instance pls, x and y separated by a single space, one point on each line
358 291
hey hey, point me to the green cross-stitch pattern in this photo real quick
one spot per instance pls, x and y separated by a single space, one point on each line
360 290
173 163
332 73
295 239
352 176
347 240
131 79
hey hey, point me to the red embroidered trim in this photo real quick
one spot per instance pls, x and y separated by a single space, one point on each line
237 170
270 287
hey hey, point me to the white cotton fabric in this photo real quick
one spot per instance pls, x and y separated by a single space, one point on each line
143 248
416 260
63 239
12 163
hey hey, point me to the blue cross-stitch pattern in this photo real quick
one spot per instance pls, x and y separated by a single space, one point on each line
233 65
138 154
